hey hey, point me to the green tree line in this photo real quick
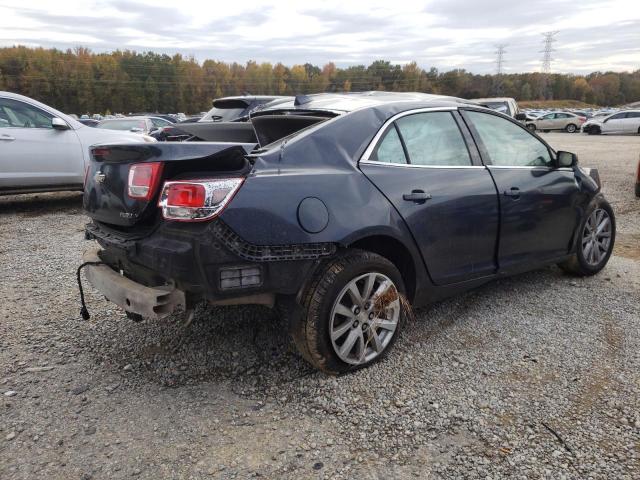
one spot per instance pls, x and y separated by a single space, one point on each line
79 81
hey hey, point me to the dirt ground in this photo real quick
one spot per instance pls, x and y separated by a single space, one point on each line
536 376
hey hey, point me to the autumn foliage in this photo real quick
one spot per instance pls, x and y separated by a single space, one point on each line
79 81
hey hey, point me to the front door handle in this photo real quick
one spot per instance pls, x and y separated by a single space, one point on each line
418 196
7 138
513 192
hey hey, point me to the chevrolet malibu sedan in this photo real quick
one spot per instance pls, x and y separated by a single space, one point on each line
570 122
342 210
44 150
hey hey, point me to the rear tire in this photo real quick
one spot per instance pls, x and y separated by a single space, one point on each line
351 313
596 237
531 127
594 130
571 128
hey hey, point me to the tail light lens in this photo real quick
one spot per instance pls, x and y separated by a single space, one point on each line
143 180
197 200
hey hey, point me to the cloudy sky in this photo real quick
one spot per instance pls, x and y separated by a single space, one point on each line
593 34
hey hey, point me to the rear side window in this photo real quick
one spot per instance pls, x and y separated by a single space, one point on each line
633 115
390 150
433 139
509 144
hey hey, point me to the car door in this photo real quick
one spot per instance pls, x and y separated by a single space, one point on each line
546 121
538 202
632 123
423 165
32 152
562 120
615 123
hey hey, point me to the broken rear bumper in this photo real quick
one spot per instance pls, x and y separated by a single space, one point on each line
150 302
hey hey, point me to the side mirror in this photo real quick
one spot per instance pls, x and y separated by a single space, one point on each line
567 159
521 116
59 124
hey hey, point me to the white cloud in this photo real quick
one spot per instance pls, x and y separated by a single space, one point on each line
446 34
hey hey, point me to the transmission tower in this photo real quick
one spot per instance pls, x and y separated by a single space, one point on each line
500 57
497 84
549 39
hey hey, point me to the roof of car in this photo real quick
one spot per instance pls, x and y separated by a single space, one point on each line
251 97
350 101
133 117
492 99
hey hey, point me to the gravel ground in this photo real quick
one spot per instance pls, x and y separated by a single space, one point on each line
536 376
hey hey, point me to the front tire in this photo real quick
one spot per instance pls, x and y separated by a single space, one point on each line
595 130
531 127
351 313
596 238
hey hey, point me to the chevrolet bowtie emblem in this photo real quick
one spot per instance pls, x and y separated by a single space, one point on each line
99 177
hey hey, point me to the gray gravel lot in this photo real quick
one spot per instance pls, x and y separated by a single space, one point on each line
536 376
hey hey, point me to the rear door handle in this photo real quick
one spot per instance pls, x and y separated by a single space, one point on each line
7 138
416 196
513 192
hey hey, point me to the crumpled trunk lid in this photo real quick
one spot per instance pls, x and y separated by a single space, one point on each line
105 194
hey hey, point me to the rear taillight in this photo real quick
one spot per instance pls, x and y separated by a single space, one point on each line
143 180
638 172
197 200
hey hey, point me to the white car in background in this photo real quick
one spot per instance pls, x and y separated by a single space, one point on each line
626 122
44 150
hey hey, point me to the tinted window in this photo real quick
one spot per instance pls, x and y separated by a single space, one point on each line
633 115
548 116
508 144
389 150
21 115
617 116
433 138
563 115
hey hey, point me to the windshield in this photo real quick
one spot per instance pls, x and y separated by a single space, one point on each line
222 114
123 124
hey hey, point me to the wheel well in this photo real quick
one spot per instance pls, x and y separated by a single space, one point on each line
394 251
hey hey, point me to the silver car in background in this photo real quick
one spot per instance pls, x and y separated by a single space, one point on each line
567 121
43 150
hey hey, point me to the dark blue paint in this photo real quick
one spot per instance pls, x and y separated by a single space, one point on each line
467 233
313 215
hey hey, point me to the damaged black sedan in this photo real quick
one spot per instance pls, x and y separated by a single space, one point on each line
342 210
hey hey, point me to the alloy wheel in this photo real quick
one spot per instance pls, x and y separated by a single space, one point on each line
596 237
364 318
